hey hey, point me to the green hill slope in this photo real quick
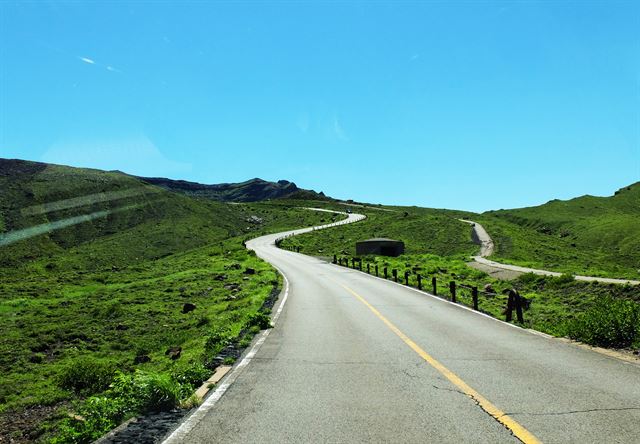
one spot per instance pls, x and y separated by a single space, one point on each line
96 268
423 231
586 235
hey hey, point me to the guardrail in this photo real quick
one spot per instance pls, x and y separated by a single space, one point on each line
515 302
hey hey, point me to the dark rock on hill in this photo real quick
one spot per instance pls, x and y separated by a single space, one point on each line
250 191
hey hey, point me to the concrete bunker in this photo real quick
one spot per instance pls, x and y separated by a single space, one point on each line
380 246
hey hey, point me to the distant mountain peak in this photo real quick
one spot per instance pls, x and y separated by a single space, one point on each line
252 190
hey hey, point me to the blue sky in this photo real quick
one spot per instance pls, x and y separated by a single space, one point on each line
468 105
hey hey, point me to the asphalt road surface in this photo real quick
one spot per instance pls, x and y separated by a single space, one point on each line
354 358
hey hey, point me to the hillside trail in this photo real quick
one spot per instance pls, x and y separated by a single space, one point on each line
507 271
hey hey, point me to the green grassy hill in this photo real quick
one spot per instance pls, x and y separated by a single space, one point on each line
586 235
96 268
423 230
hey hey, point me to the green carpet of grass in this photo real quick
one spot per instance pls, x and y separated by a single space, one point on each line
595 236
556 302
113 287
422 230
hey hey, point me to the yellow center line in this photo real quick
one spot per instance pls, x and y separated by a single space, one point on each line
519 431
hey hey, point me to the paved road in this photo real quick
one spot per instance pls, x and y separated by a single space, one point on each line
353 358
481 236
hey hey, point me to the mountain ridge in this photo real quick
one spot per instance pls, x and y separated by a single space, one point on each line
252 190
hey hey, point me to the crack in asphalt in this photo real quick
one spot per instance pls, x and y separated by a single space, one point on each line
477 402
571 412
410 375
451 390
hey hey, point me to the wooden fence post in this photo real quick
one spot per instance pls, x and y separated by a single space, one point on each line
474 296
406 278
510 306
434 284
394 272
514 302
385 272
368 268
452 289
360 264
519 308
335 259
376 270
419 281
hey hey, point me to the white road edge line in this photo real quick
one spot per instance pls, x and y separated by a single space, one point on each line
464 307
183 430
580 345
179 434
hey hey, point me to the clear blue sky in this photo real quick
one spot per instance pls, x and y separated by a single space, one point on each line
469 105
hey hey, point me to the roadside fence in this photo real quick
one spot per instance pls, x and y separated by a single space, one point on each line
459 293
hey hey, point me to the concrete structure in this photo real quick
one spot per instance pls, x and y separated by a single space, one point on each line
380 246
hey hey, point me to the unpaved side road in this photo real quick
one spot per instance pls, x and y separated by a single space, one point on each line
506 271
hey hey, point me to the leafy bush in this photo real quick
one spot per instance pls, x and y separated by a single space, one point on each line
260 320
144 391
561 281
190 375
97 415
87 375
609 323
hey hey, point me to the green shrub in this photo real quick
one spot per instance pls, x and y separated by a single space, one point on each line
609 323
190 375
260 320
215 341
99 415
145 391
561 281
87 375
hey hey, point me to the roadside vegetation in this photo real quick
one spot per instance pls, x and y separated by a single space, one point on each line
127 312
592 236
437 245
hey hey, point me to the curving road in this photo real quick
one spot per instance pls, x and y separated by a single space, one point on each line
354 358
481 236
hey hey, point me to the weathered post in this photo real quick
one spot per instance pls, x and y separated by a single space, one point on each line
434 284
514 302
299 248
406 278
419 281
474 296
353 263
385 273
376 270
452 289
360 264
519 307
394 272
368 268
511 302
335 259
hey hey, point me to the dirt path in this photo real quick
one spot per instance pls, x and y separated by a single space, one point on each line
506 271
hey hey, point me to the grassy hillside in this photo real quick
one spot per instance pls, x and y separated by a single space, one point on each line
587 235
438 245
423 230
105 293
